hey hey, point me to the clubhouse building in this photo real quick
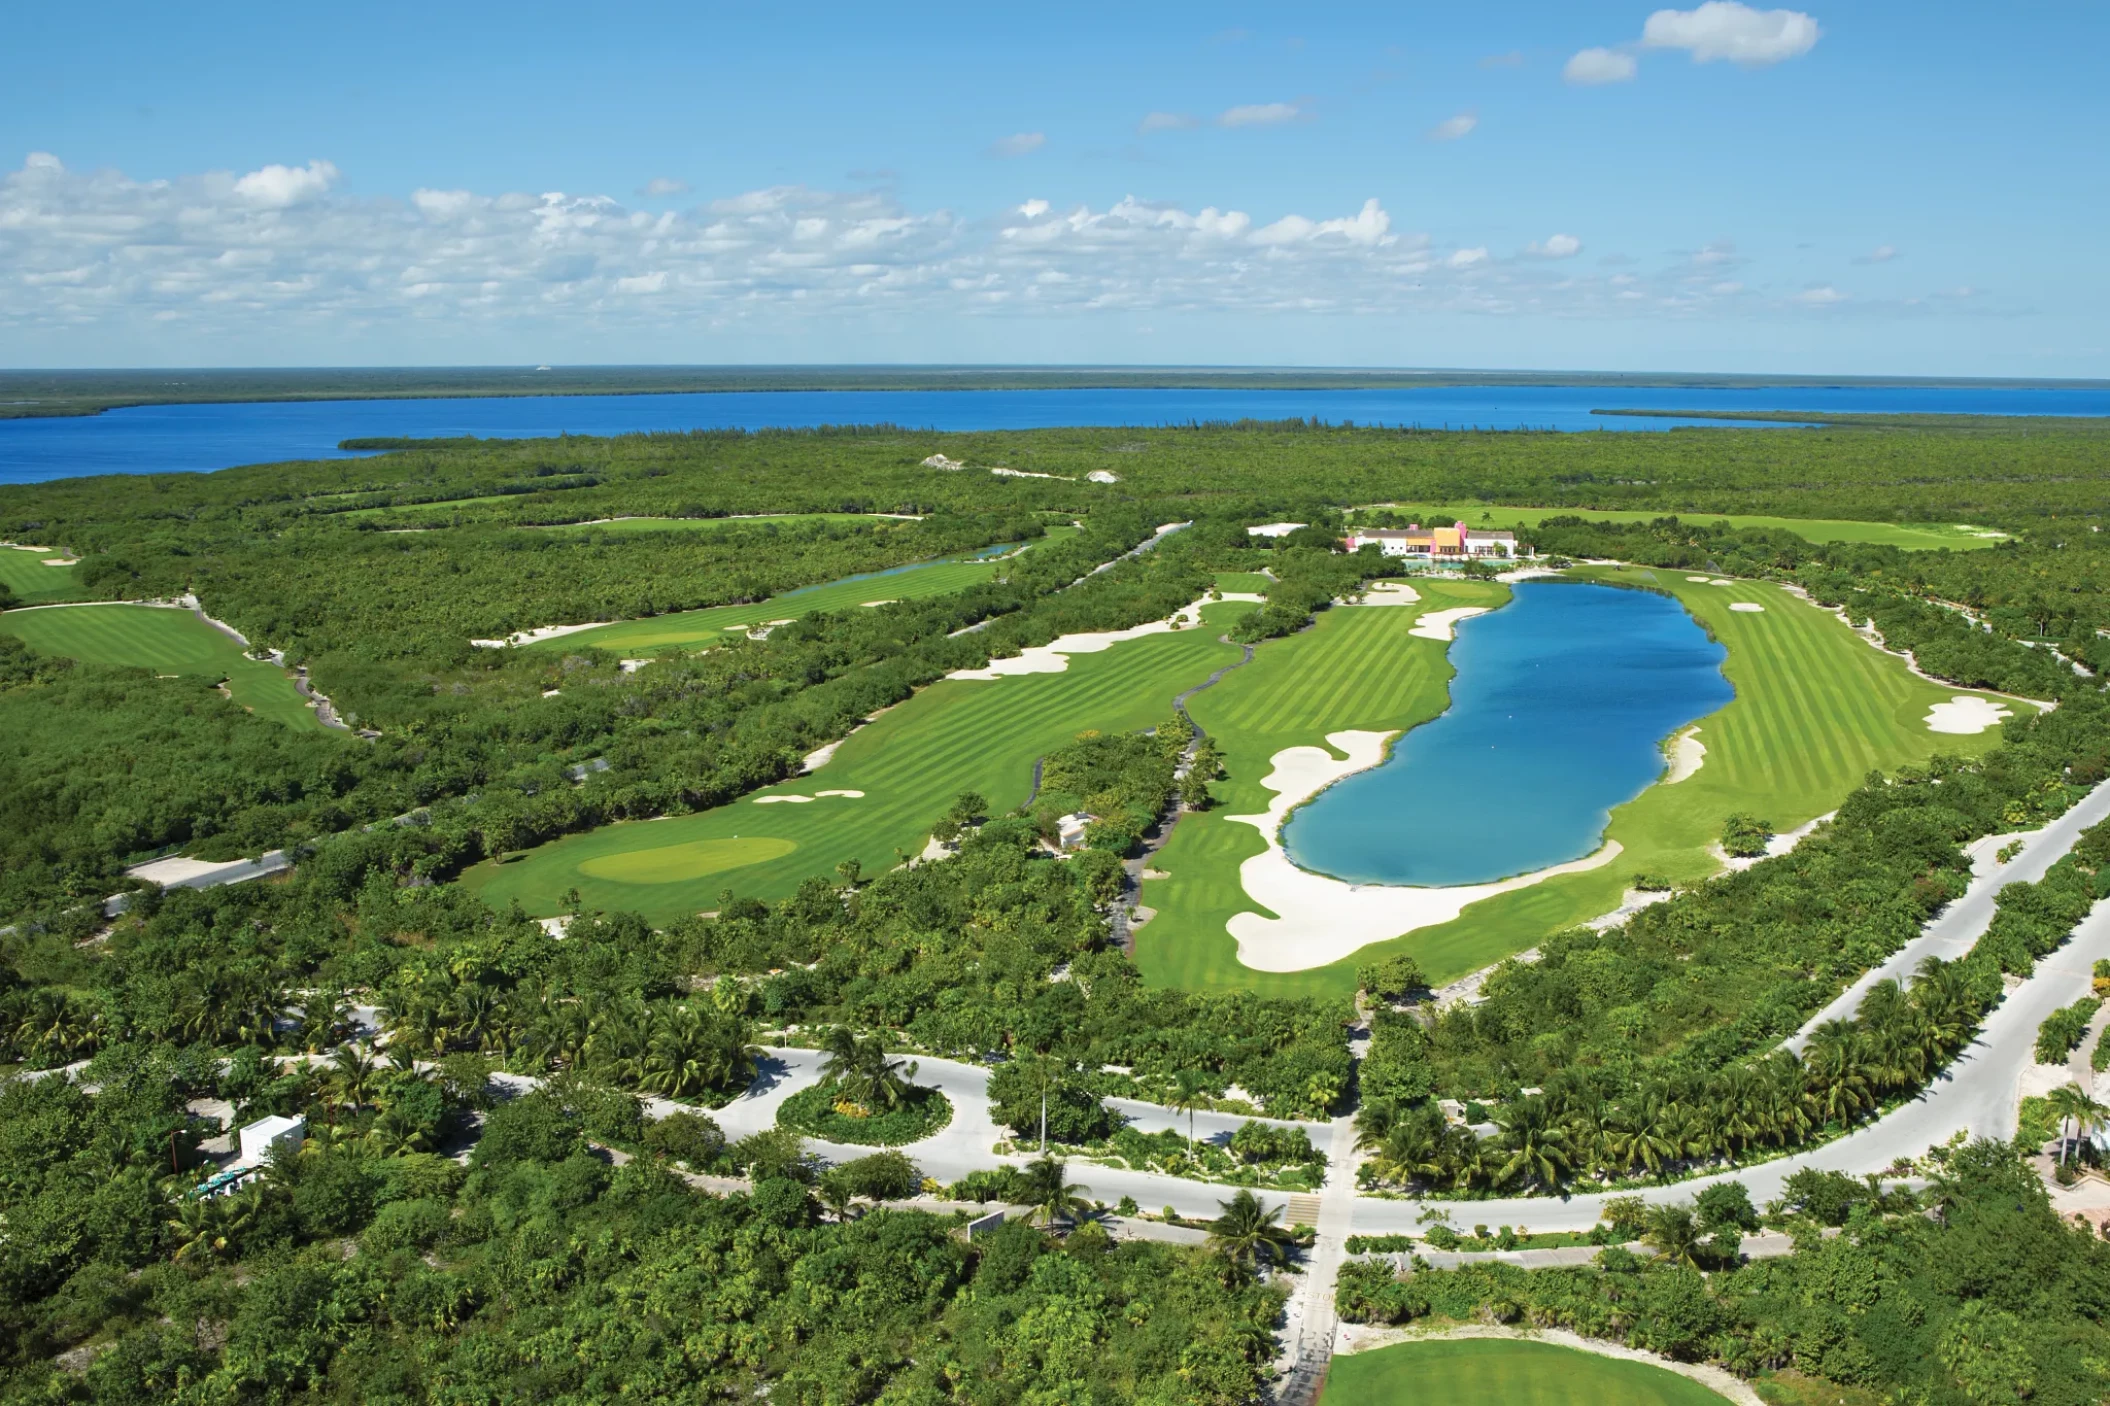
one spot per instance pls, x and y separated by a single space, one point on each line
1457 543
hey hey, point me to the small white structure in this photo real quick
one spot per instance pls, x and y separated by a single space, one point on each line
1069 830
1273 529
1102 476
260 1137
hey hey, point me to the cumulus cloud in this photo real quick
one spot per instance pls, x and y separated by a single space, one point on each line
203 255
1592 67
1450 129
1820 297
277 187
1881 254
1018 144
1725 29
1557 246
1260 115
1166 122
660 187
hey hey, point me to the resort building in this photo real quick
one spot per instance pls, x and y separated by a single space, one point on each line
1273 529
1456 543
1069 830
257 1140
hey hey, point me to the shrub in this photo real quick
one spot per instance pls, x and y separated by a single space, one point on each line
692 1138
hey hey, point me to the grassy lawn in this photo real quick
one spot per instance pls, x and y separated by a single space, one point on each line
1503 1372
1245 581
956 735
1911 537
32 581
692 629
168 642
625 525
1816 709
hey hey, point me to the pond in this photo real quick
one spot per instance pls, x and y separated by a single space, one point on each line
1559 710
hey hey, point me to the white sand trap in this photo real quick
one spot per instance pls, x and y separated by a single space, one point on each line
939 461
546 632
61 561
1333 917
806 800
1686 755
1697 580
1243 595
853 795
1721 581
551 692
1054 656
1102 476
1389 593
890 600
1965 714
1439 624
1747 607
631 666
1028 473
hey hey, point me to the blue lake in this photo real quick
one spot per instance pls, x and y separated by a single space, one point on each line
1558 712
200 438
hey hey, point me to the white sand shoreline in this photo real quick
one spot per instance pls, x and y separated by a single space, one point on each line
1442 624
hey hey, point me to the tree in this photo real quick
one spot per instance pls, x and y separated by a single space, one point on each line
1673 1233
861 1071
1049 1193
2071 1104
1189 1092
1392 980
1246 1232
1534 1147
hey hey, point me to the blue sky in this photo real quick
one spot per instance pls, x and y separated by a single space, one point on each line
1854 188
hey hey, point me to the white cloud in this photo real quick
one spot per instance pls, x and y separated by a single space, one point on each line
642 283
1820 297
1166 122
1724 29
277 187
1033 209
1467 258
1881 254
1726 287
1018 144
1592 67
660 187
1450 129
1558 246
1260 115
1717 254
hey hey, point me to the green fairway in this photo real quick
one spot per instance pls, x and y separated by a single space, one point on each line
956 735
34 583
1911 537
168 642
1247 582
1815 710
690 629
1503 1372
626 525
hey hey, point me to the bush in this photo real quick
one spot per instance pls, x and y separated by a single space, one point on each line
1745 837
1392 980
691 1138
883 1176
406 1225
1075 1113
532 1128
774 1152
2064 1029
812 1111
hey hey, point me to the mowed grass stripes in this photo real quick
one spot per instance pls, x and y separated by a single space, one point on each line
34 583
954 736
168 642
1816 709
1495 1372
1906 536
695 629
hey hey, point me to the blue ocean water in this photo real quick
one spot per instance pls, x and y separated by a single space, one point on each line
1558 712
200 438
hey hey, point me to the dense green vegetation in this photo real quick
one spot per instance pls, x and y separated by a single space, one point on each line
1990 1298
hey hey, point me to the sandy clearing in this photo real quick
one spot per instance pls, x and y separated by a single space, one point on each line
1747 607
1336 918
939 461
631 666
1686 755
1440 624
1965 714
1632 902
1054 656
1387 593
1102 476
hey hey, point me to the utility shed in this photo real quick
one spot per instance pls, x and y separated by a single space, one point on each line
260 1137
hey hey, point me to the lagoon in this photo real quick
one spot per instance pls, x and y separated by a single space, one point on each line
1561 704
199 438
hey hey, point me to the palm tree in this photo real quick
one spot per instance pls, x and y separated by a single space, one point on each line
863 1073
1674 1233
1051 1197
1188 1094
1248 1231
352 1075
1836 1063
2070 1102
1536 1147
682 1056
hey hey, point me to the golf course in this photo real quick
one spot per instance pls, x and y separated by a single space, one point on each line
1816 709
694 629
1504 1372
1905 536
878 796
168 641
25 574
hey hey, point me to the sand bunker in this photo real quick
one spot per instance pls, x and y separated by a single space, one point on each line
806 800
1747 607
546 632
1439 624
1054 656
1721 581
1334 917
1686 755
1388 593
1102 476
1965 714
871 604
1697 580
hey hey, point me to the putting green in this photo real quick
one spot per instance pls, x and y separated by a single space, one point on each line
689 629
690 860
1816 709
1504 1372
956 735
34 583
168 642
1907 536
